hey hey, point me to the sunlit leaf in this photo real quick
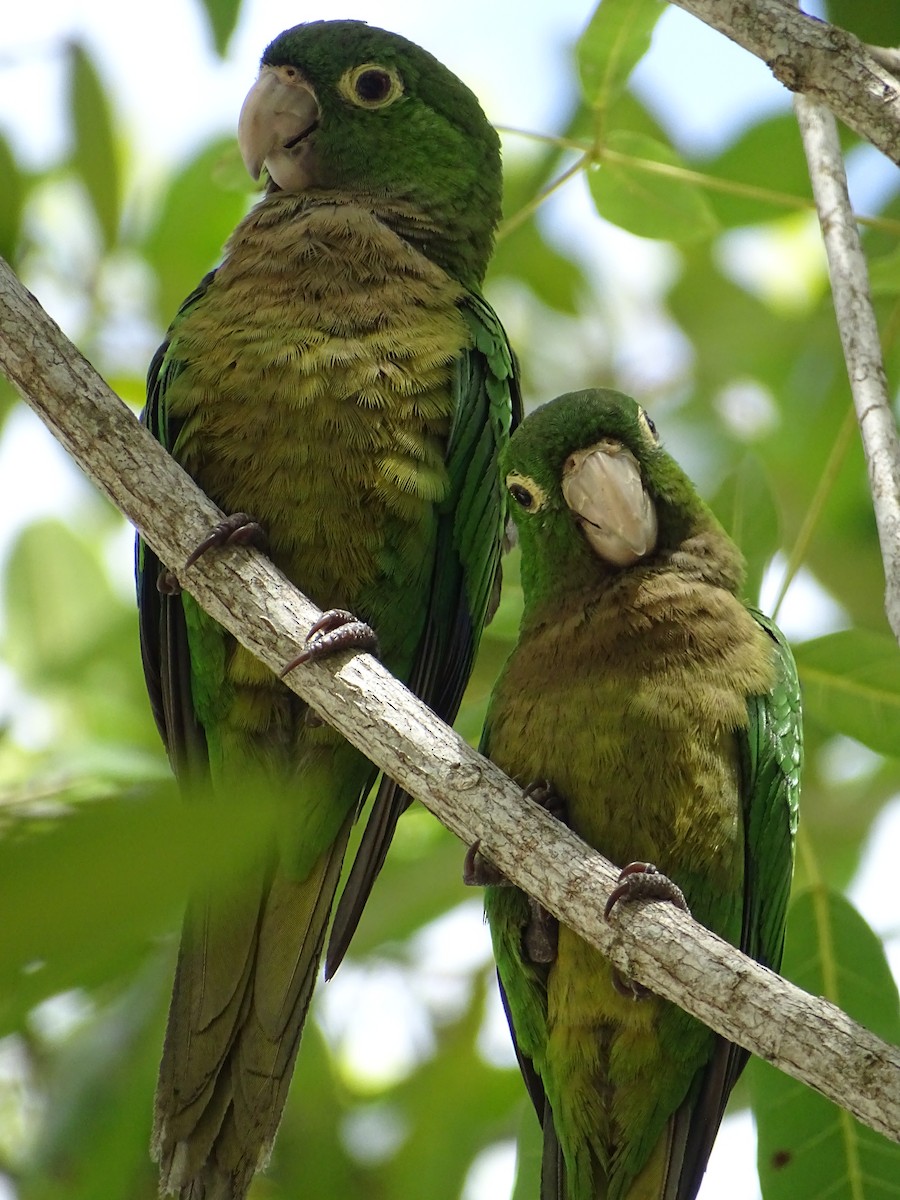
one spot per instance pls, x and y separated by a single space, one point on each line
746 507
851 684
808 1146
94 157
632 195
884 275
11 203
617 37
222 16
182 249
767 157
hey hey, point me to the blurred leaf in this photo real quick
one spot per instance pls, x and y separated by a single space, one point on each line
617 37
222 16
93 889
11 202
95 1140
884 275
182 249
530 1151
808 1146
746 507
526 255
871 20
768 155
650 205
94 157
851 683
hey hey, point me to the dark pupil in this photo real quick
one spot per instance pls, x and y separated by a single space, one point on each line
651 425
521 495
373 85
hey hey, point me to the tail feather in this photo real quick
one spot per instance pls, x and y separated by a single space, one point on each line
553 1167
246 972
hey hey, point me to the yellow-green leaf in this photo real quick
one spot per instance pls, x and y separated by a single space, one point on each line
637 187
617 37
851 685
94 157
808 1146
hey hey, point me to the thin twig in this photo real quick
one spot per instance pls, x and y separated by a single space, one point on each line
859 334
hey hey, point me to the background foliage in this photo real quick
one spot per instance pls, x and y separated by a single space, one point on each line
725 329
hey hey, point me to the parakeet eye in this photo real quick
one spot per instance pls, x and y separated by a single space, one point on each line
371 86
526 493
648 424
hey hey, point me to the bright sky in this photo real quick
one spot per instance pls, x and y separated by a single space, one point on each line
172 92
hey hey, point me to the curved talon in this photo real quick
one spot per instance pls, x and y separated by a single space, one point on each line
167 583
629 988
336 630
479 871
240 529
540 937
542 792
643 881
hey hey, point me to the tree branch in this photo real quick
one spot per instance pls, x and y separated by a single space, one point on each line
658 945
859 334
810 56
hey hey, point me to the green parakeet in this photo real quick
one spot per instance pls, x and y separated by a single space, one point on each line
662 716
340 378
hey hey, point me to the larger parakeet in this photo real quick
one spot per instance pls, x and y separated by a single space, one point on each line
340 378
661 715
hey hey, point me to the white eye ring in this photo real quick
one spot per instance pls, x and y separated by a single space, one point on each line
529 495
648 426
370 85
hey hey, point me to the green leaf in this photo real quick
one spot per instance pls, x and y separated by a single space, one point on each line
808 1146
11 203
884 274
635 197
617 37
94 889
766 156
222 16
851 684
181 248
871 20
746 507
94 157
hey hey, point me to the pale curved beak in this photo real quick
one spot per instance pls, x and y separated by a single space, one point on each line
277 117
602 486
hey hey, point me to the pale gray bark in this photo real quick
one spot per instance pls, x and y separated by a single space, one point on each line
656 944
810 56
859 334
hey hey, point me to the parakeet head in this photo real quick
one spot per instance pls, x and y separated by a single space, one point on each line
343 106
593 493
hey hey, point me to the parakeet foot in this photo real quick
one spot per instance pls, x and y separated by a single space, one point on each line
335 630
479 871
541 792
642 881
167 583
240 529
540 937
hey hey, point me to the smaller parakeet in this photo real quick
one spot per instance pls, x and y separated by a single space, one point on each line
660 716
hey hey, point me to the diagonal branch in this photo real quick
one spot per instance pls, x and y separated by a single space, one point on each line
859 334
810 56
658 945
